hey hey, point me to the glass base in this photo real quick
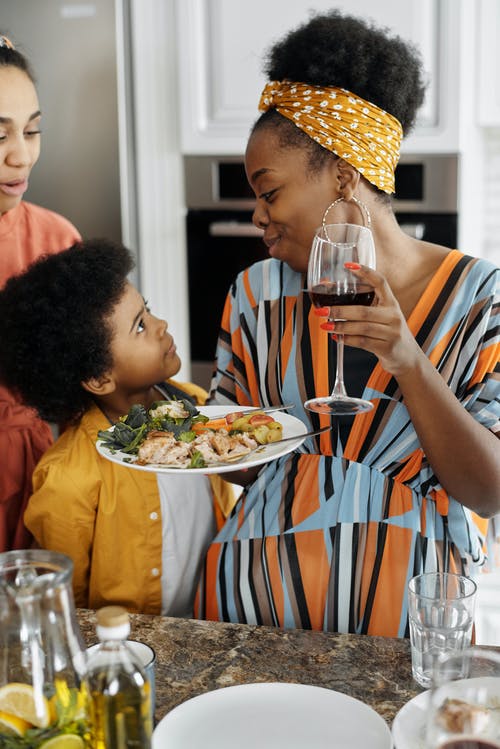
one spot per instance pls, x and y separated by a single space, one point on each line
338 406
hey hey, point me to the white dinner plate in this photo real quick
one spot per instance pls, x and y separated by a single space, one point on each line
291 427
272 716
408 727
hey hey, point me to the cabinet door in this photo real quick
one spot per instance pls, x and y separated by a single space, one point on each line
221 48
489 63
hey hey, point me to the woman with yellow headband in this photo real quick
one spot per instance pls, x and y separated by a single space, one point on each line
26 232
328 537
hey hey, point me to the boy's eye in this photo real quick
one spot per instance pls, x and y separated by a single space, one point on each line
141 326
32 132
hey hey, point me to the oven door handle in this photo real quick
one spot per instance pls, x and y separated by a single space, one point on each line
416 231
234 229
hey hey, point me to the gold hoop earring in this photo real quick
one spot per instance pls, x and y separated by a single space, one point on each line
365 213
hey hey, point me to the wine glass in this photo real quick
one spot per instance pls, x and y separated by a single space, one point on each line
330 283
464 703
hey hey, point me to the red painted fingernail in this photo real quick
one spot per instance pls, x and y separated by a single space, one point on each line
327 325
352 266
335 337
322 311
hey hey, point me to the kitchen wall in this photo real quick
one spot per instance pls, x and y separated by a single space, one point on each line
491 216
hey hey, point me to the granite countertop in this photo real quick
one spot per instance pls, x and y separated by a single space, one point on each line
197 656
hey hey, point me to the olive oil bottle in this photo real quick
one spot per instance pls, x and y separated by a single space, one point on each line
118 688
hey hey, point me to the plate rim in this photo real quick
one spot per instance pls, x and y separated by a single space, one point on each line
419 701
212 694
288 447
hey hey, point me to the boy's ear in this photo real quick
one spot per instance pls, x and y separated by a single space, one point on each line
99 385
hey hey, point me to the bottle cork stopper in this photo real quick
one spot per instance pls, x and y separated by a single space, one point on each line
112 616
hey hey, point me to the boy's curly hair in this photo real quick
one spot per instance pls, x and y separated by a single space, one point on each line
54 326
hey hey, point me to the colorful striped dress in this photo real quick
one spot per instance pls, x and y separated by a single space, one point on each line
328 536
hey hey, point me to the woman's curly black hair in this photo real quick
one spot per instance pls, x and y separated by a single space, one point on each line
333 49
54 326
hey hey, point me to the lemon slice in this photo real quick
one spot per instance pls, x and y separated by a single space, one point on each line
64 741
19 700
12 726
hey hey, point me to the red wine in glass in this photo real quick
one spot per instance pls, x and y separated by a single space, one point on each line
472 743
330 283
330 295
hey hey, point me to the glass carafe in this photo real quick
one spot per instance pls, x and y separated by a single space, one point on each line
42 702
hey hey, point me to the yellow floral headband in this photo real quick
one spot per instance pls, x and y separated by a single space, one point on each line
354 129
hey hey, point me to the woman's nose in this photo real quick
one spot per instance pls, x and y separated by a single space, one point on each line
19 153
260 217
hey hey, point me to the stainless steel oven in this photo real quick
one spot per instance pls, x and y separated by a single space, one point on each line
221 239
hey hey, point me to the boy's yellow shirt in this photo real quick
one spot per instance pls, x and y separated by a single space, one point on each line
79 507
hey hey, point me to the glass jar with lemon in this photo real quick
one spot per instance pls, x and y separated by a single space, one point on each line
42 700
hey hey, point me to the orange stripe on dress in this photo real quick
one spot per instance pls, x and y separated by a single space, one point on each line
314 573
306 490
359 430
411 466
434 288
245 355
487 361
248 288
252 380
442 501
211 574
287 338
369 550
440 347
273 567
319 347
391 584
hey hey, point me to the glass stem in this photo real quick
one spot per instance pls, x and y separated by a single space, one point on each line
339 390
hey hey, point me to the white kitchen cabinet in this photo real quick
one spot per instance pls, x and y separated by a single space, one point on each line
221 46
489 63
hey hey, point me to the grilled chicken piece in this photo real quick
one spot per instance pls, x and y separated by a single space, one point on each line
162 447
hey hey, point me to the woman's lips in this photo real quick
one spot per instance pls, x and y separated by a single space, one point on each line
272 244
14 189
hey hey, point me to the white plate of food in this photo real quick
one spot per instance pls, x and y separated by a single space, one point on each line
410 724
272 716
292 430
408 727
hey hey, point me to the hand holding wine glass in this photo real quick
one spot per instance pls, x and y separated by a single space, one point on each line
331 283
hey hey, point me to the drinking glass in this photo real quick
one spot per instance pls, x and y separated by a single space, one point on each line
464 705
441 614
330 283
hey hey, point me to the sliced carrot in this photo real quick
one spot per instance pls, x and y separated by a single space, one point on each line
215 424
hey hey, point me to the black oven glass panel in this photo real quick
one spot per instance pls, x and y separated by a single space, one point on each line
439 228
233 183
213 264
409 182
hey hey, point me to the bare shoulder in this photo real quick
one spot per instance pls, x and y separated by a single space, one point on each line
422 262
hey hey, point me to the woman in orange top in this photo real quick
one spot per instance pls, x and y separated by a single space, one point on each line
26 232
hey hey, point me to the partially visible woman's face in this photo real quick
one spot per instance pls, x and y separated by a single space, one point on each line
19 135
290 200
